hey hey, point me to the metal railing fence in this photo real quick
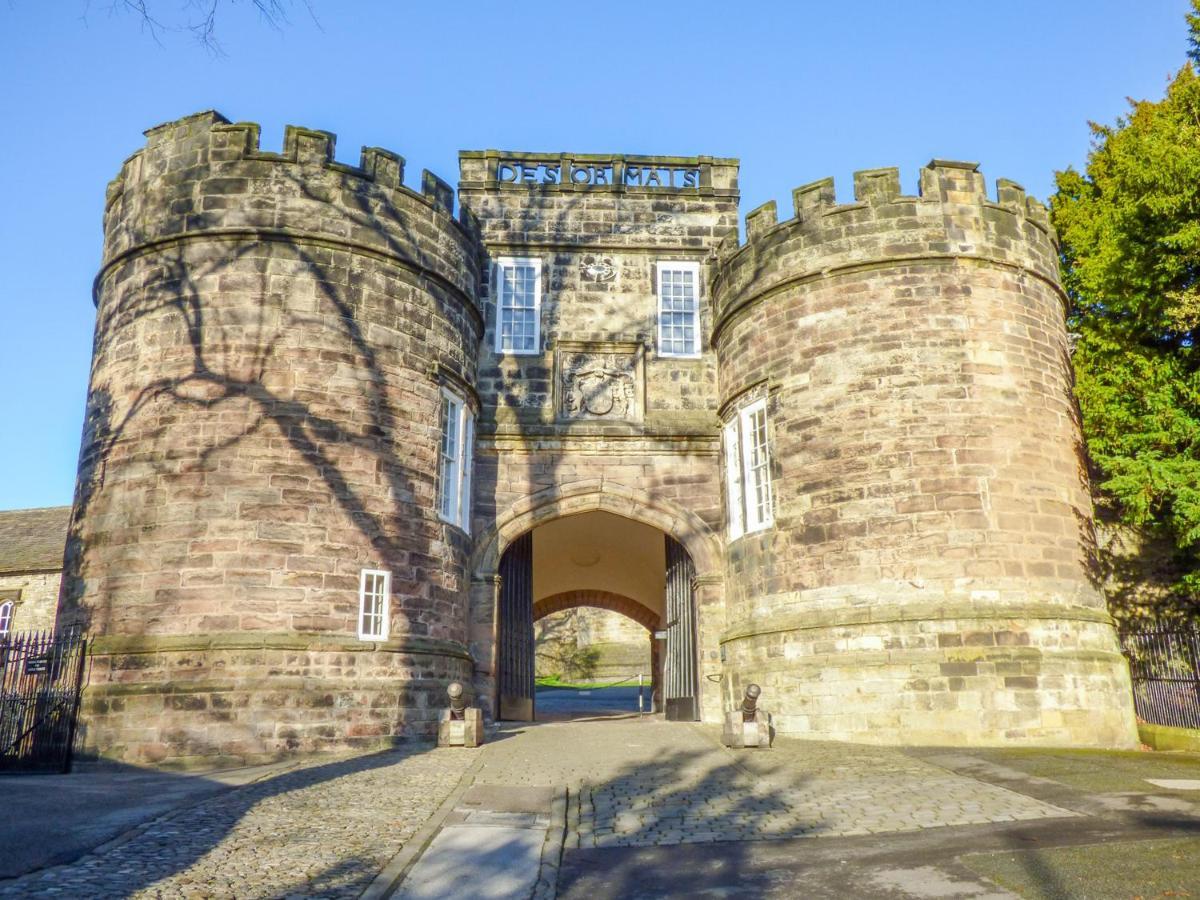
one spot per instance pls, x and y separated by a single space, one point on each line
1165 665
41 676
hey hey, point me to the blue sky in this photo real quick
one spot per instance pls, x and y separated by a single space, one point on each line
797 91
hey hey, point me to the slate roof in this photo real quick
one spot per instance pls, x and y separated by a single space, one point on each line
32 540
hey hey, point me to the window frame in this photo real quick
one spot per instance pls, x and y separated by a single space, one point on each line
498 267
743 484
454 404
8 609
756 519
386 597
734 488
677 265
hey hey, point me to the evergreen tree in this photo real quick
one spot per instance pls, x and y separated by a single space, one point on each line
1130 231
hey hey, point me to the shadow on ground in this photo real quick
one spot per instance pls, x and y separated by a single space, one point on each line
52 820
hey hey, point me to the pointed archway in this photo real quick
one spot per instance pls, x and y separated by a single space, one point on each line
702 576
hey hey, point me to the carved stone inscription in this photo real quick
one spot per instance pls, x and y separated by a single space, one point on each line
520 171
598 385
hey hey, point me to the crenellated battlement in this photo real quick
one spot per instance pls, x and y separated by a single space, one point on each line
941 181
234 141
203 174
951 216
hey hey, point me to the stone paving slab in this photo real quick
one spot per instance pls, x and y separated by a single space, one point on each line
324 829
496 862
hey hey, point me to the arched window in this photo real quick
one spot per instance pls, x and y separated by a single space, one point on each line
6 613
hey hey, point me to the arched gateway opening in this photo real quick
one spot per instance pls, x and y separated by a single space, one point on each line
598 559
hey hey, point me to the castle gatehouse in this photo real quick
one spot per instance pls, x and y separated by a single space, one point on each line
344 444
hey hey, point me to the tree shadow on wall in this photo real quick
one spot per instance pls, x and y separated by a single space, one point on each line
193 421
535 412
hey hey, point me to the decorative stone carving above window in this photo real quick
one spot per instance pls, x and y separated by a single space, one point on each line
600 380
597 268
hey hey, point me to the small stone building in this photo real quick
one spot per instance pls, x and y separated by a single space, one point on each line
346 440
31 559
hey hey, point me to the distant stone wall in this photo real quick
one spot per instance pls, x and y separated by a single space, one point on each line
35 599
927 578
619 646
273 332
1140 573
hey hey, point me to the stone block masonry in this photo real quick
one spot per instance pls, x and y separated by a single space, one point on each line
274 335
927 576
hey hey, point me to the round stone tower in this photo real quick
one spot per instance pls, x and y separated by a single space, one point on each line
926 579
275 334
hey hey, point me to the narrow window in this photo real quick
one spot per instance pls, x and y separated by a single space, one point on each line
451 453
756 466
678 309
733 481
454 483
374 589
748 471
518 291
6 614
468 460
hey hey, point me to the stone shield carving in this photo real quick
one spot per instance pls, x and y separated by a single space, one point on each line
595 384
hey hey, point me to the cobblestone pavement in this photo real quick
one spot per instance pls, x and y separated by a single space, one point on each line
648 782
325 829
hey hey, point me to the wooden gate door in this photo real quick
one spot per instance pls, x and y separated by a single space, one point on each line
516 630
679 663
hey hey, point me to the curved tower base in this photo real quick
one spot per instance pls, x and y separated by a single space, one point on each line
927 576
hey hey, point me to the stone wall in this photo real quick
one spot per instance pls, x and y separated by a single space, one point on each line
927 577
35 599
618 647
273 330
598 244
274 333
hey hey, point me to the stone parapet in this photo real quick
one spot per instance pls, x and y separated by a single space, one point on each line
951 219
204 175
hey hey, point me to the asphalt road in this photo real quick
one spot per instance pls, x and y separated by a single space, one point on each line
562 704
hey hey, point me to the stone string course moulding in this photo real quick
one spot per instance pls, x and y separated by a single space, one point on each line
274 332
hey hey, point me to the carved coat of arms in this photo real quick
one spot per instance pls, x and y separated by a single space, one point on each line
599 385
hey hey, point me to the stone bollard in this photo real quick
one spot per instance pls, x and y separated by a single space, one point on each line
460 725
748 726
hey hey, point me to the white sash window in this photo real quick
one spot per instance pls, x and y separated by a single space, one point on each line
678 308
748 471
518 292
456 455
374 601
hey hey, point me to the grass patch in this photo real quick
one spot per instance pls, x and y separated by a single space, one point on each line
553 681
1111 871
1098 770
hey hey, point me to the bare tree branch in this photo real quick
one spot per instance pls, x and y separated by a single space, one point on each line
199 18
